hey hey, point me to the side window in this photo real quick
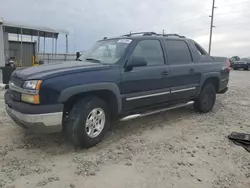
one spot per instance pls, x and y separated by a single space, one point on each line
178 52
200 49
151 50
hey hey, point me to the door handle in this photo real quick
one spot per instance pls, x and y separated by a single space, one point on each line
164 73
191 71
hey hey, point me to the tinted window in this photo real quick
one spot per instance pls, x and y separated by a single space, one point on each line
178 52
151 50
200 49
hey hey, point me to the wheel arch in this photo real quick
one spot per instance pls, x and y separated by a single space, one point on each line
213 78
108 92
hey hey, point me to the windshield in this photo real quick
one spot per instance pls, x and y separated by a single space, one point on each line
106 51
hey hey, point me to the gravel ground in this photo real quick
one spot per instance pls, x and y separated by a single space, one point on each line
179 148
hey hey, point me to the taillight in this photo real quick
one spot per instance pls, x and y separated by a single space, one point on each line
228 65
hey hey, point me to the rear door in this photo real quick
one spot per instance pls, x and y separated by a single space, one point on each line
184 76
147 85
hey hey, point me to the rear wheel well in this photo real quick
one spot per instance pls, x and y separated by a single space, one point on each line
213 80
106 95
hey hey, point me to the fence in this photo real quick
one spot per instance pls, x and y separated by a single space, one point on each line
47 58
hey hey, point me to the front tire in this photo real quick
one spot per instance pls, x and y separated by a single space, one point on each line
205 102
88 122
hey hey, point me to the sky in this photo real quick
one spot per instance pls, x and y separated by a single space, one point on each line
88 21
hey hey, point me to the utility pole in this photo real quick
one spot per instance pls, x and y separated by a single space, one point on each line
211 27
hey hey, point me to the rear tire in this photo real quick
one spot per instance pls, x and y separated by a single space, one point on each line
88 122
246 68
205 102
235 68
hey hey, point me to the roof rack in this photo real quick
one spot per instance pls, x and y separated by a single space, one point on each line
171 35
140 33
153 33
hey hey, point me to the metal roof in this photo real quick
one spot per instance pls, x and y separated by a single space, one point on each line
15 28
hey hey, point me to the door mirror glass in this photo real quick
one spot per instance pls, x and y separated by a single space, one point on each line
138 61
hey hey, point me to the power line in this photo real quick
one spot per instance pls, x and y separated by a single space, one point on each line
243 31
187 21
233 4
203 17
180 23
194 30
232 12
174 23
233 24
219 26
180 19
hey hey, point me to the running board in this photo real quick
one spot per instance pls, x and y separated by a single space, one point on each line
134 116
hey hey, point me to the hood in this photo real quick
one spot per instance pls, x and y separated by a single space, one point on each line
57 69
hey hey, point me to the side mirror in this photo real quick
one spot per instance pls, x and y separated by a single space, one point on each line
137 62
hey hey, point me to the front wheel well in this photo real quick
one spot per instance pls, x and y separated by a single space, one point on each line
106 95
213 80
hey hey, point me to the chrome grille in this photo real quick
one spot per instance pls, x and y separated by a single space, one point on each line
15 95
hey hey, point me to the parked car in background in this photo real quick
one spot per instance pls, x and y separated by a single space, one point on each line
242 64
123 78
233 59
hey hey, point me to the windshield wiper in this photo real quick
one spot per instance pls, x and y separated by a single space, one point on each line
93 59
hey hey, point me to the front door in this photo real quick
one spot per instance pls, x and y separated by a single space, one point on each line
147 85
184 74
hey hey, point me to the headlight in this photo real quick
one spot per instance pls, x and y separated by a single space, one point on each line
32 84
32 95
34 99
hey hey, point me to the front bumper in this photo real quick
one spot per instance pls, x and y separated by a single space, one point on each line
36 118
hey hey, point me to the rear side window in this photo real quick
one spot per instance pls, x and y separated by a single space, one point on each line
200 49
178 52
151 50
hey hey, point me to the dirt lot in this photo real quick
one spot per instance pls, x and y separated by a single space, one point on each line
180 148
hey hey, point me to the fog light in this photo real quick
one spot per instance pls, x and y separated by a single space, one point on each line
34 99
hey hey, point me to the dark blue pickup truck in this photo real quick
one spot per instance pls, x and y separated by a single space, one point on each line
119 78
